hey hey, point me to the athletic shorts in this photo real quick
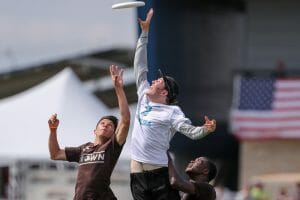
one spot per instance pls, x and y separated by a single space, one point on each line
152 185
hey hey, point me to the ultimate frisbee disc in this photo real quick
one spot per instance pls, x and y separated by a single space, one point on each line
129 4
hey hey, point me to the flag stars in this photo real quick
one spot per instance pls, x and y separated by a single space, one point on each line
256 94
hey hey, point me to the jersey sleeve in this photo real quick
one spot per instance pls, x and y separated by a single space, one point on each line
141 63
73 153
178 118
183 125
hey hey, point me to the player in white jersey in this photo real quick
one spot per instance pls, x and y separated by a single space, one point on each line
157 119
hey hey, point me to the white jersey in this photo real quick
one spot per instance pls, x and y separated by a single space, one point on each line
155 124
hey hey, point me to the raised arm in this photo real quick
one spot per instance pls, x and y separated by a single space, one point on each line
55 152
197 132
176 180
123 126
140 59
183 125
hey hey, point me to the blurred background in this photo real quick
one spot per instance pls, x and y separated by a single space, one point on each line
235 60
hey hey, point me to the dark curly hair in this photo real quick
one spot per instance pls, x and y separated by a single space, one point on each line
212 170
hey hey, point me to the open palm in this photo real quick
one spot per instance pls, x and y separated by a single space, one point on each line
116 75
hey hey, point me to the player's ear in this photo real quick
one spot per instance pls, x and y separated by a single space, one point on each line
164 93
205 171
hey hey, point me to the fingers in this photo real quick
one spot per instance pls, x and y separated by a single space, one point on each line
149 15
210 124
144 24
53 122
121 72
115 71
116 75
53 117
111 69
210 128
206 118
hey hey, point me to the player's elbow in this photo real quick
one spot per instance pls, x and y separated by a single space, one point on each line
194 137
55 155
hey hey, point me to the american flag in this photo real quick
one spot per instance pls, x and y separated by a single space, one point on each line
265 108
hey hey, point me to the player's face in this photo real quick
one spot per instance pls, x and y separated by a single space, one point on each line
197 165
156 87
105 128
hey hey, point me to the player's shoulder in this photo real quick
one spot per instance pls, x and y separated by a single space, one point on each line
205 189
203 185
175 109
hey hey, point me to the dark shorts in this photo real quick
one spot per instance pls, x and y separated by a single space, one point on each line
152 185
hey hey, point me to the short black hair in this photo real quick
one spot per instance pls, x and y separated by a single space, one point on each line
111 118
212 170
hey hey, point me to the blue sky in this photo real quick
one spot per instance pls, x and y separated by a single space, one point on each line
35 31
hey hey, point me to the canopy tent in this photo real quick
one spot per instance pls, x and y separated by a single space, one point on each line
24 127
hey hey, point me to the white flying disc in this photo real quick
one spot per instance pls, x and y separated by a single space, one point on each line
129 4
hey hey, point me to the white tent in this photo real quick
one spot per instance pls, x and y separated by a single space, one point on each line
24 117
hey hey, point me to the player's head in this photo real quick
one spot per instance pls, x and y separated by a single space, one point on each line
106 126
201 166
165 89
171 86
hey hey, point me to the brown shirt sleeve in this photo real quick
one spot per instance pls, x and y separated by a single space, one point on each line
73 153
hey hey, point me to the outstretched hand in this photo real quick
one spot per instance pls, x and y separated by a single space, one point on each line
116 75
145 24
53 122
210 125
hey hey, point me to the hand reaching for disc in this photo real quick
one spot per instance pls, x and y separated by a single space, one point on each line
116 75
146 23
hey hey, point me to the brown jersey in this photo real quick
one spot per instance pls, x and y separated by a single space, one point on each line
203 191
96 163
